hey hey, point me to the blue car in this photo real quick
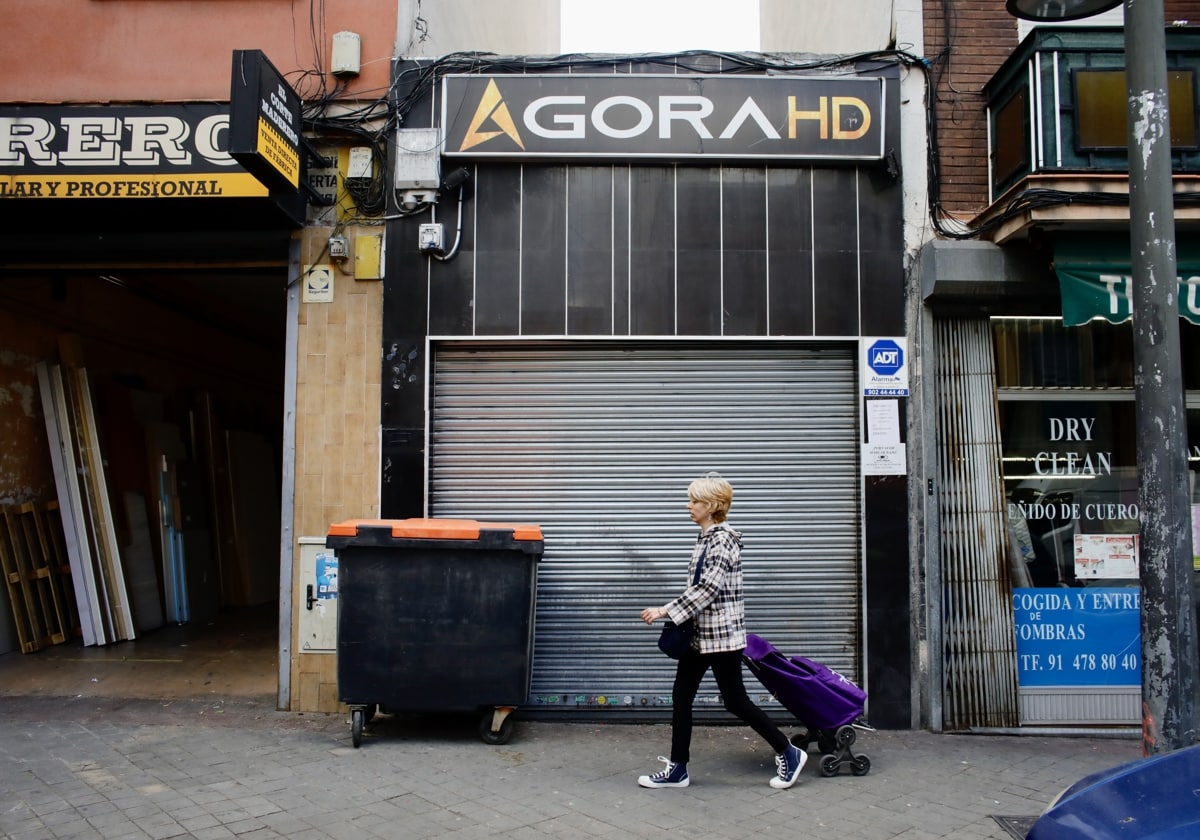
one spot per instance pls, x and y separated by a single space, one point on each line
1154 798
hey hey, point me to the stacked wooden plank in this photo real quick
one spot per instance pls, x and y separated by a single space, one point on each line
37 576
162 526
87 520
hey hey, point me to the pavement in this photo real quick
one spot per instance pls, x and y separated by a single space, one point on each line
176 734
94 766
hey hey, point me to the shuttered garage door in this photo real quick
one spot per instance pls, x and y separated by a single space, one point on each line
597 442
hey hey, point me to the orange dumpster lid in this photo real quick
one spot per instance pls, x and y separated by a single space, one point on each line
435 529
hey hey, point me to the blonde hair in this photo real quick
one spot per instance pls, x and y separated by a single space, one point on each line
714 491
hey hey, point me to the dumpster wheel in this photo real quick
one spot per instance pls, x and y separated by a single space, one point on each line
496 725
358 719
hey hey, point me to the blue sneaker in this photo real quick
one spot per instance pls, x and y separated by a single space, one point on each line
675 775
789 765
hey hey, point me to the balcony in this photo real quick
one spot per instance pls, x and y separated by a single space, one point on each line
1057 141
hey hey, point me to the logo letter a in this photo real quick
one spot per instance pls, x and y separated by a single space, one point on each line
491 108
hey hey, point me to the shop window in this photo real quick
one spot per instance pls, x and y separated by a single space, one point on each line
1067 425
1036 353
1070 479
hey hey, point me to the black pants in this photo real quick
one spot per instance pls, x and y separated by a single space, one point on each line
727 669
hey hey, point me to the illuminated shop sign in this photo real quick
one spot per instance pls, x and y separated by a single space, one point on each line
676 117
265 126
125 152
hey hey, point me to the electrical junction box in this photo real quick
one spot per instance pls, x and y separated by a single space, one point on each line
347 54
360 165
431 236
368 256
318 607
418 159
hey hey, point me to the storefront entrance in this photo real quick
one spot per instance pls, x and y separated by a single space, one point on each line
1044 615
184 372
597 442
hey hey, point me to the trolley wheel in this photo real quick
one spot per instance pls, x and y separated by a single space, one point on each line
845 736
860 766
498 736
830 764
357 719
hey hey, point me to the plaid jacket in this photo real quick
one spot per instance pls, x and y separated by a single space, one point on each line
716 601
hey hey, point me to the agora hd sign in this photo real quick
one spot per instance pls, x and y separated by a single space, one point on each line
675 117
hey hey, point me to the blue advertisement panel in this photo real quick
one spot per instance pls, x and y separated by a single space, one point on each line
1069 637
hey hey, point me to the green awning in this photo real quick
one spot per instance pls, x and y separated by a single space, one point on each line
1095 279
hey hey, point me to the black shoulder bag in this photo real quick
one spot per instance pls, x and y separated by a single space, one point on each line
676 639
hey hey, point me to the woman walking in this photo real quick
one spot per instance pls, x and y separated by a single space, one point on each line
716 603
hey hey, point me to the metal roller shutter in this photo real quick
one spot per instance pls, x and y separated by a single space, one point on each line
598 441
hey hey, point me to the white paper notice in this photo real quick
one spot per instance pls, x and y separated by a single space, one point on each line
883 421
884 459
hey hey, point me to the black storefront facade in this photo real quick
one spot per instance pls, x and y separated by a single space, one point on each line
605 277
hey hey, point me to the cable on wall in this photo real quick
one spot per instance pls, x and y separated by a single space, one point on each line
369 117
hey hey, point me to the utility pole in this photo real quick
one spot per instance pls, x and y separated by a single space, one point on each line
1169 650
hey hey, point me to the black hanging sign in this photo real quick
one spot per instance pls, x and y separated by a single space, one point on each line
264 121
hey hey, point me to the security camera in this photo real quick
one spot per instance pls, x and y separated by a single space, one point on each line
456 178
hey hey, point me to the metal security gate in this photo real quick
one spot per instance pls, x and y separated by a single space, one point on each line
597 442
980 679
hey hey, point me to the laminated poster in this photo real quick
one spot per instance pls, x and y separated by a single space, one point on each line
1106 556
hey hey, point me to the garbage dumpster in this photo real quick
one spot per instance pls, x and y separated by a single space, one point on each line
435 615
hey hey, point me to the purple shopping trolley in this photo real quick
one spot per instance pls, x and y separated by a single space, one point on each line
830 706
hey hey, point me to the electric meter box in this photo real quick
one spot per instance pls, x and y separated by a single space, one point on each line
318 607
418 159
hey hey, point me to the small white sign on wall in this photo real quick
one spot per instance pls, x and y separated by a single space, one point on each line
316 284
884 459
883 453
